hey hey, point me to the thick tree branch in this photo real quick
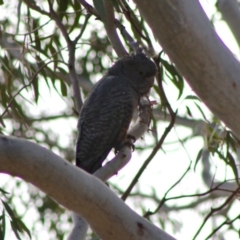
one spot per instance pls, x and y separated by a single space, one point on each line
118 162
76 190
187 36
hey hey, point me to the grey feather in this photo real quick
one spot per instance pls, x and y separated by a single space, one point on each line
108 110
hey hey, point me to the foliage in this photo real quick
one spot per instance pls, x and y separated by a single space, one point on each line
17 225
35 69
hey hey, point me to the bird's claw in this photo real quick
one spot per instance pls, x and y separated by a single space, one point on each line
129 141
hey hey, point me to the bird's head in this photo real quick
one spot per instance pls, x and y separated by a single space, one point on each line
138 69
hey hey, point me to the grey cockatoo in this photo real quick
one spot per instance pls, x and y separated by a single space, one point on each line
108 110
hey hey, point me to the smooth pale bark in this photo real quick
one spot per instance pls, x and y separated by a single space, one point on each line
231 14
76 190
187 36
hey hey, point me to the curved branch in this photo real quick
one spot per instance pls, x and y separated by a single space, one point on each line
76 190
71 60
111 30
118 162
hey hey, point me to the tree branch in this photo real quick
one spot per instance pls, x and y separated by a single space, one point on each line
71 60
111 30
76 190
206 63
118 162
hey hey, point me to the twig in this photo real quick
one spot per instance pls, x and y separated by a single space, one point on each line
82 29
59 23
89 8
71 61
226 222
134 45
213 210
147 214
74 77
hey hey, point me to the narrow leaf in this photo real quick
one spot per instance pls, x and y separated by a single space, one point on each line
199 155
15 229
201 111
233 165
3 191
3 225
192 97
98 4
63 88
189 111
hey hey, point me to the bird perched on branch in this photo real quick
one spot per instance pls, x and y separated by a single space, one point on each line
108 110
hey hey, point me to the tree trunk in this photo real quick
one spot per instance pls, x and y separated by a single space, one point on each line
187 36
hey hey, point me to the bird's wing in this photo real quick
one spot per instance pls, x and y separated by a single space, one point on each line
103 121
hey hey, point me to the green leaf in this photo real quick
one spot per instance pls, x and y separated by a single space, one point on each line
15 229
8 209
17 109
62 8
232 141
32 2
75 24
35 89
62 70
174 76
54 55
99 5
156 89
22 227
63 88
189 111
16 222
3 191
199 155
229 160
4 96
2 225
36 35
192 97
116 5
201 111
233 165
1 2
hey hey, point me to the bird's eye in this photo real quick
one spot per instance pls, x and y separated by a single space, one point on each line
141 73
